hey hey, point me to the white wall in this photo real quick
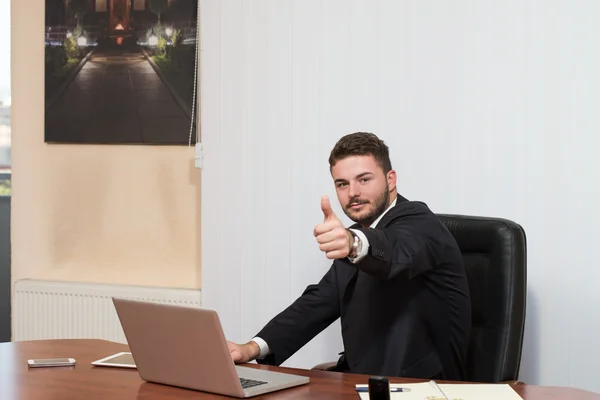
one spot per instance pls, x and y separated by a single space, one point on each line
489 108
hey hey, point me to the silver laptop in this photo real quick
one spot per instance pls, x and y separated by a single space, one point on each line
185 347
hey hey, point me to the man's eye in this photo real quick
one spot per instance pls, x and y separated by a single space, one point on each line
342 185
365 180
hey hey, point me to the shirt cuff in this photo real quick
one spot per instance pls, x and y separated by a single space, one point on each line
363 248
264 347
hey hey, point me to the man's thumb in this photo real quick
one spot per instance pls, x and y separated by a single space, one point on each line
326 207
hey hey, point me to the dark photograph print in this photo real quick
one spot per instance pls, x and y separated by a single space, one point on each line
120 71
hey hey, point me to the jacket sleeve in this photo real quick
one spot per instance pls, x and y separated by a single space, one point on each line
411 243
305 318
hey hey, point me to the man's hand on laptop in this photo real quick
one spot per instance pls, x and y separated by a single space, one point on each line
243 353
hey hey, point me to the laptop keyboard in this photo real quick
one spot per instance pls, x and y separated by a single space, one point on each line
248 383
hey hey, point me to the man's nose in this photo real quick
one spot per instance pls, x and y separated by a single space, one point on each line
353 189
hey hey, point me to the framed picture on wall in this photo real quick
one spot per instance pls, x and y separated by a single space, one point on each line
121 71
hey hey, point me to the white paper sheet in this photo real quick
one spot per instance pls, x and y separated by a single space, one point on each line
467 391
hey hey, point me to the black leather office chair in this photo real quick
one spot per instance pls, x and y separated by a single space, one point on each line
495 255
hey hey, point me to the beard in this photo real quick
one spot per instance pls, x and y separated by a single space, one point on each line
366 217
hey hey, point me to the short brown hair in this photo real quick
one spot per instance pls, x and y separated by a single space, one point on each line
361 144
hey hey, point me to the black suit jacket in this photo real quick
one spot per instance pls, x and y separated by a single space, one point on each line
405 309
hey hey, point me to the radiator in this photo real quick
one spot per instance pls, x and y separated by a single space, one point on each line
66 310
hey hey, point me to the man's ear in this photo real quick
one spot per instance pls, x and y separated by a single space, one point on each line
391 180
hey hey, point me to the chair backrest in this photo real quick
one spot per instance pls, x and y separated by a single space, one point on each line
495 256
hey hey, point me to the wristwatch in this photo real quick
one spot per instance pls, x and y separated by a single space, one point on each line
355 246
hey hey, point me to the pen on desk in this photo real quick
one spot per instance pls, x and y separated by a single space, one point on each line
435 385
394 389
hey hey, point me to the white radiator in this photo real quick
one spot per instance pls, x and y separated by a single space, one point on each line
66 310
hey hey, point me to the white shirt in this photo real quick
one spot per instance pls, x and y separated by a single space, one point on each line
364 250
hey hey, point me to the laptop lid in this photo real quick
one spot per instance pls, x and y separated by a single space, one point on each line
186 347
179 346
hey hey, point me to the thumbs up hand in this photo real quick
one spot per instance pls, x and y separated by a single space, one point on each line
333 238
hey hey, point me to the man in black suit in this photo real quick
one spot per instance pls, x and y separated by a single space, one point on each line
397 281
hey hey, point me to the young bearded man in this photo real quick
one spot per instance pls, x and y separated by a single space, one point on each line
397 281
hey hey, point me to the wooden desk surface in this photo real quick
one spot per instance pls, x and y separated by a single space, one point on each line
84 381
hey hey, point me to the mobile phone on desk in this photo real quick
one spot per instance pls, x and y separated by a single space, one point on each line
51 362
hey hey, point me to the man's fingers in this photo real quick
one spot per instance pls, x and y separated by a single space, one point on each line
336 254
326 208
329 246
332 241
324 228
327 237
326 233
234 350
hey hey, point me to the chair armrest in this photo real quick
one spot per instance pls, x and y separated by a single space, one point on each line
328 366
514 382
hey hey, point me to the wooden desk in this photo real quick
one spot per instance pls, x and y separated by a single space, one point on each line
84 381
